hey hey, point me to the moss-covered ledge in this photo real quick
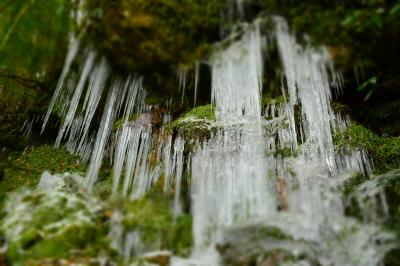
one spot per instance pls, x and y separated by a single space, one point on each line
194 125
384 150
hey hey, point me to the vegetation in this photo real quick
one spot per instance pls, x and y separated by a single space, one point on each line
151 217
24 170
194 125
53 224
157 38
385 151
33 40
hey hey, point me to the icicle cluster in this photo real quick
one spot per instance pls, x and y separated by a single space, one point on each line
240 176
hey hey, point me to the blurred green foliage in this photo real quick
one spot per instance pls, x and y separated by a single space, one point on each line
155 38
33 40
151 217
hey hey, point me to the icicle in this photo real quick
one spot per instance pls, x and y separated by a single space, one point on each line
228 185
98 79
77 96
103 134
196 82
178 162
73 50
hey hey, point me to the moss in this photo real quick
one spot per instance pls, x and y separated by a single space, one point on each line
117 124
253 244
384 150
182 238
201 112
350 185
53 225
266 100
286 152
274 232
340 108
151 217
195 124
25 169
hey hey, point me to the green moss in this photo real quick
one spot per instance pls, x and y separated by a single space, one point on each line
195 124
26 169
266 100
286 152
350 185
120 122
384 150
201 112
251 244
274 232
151 217
340 108
53 225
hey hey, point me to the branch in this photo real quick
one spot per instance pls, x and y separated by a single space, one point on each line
13 26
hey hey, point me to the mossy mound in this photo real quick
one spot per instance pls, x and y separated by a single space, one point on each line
194 125
152 220
53 223
26 168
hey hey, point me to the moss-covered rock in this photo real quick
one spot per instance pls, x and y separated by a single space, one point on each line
384 150
26 168
152 220
254 245
53 223
194 125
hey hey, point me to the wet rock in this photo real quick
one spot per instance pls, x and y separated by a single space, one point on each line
161 258
52 222
255 244
281 192
50 181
